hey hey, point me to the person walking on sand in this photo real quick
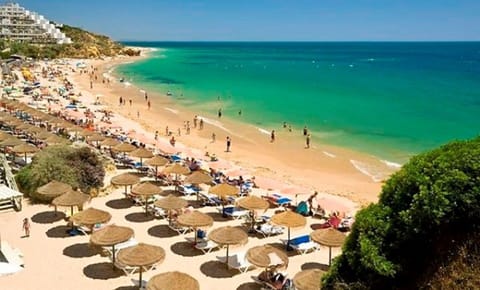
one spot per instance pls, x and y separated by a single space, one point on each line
307 141
149 104
138 114
201 123
26 227
213 137
272 136
195 121
229 143
121 100
156 135
130 101
146 96
220 112
305 131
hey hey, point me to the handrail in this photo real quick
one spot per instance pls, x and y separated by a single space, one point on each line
9 177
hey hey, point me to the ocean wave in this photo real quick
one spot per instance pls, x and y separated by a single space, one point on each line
127 84
368 170
263 131
171 110
214 123
329 154
391 164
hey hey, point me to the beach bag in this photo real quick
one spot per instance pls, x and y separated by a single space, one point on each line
302 208
201 234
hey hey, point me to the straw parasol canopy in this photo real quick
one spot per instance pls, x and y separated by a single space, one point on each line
110 142
54 139
195 219
171 202
198 177
125 179
328 237
95 138
289 219
23 126
157 161
86 133
14 122
173 281
124 147
110 236
53 189
141 153
25 148
267 256
4 136
12 141
34 130
71 198
91 216
176 169
141 255
253 202
146 189
226 236
43 135
310 279
223 190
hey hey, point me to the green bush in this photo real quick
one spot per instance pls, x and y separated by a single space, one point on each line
79 167
431 203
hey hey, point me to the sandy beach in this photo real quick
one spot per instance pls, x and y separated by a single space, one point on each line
55 260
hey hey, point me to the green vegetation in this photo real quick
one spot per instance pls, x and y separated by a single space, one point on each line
85 45
425 222
79 167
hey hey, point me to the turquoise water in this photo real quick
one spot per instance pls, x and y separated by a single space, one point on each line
391 100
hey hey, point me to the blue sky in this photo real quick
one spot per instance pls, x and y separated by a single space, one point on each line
269 20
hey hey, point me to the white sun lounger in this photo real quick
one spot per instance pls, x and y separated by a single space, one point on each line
179 229
236 261
267 230
206 246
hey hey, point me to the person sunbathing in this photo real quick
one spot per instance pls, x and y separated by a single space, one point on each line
270 276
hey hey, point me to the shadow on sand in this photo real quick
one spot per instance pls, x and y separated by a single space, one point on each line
218 217
48 217
280 246
313 265
102 271
62 231
81 250
217 269
121 203
185 249
139 217
250 286
162 231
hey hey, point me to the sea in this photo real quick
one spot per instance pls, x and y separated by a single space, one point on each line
391 100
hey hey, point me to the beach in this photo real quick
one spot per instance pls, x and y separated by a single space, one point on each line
55 260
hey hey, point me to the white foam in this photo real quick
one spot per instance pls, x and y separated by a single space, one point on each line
217 124
127 84
171 110
331 155
368 170
392 164
263 131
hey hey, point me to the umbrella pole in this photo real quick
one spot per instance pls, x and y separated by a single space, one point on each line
288 240
113 256
195 235
25 158
140 281
329 256
227 256
126 191
146 205
156 173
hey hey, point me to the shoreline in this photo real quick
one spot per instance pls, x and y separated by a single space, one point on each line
325 168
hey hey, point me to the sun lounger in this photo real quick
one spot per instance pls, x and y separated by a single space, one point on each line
128 270
206 246
233 212
278 200
236 261
267 285
301 244
267 230
210 199
179 229
188 190
157 212
129 243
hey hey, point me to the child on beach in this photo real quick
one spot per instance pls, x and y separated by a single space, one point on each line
26 227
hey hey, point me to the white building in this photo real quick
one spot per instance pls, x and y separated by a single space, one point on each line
20 24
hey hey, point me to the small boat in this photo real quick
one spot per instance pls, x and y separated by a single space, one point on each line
169 93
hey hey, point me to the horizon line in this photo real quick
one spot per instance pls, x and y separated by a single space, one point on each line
311 41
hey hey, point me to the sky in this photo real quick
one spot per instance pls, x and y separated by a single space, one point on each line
269 20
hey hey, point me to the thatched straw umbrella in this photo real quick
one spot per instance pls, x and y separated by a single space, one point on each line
4 136
141 255
110 142
310 279
141 153
146 189
198 177
223 191
157 161
12 141
125 179
43 135
95 138
53 189
110 236
328 237
86 133
195 219
289 219
173 281
34 130
171 202
55 139
267 256
25 149
91 216
23 126
226 236
124 147
253 203
176 168
70 199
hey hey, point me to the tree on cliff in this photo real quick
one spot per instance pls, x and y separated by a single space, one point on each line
427 214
